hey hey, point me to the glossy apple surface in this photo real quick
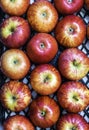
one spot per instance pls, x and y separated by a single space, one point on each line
42 16
45 79
73 64
72 122
42 48
44 112
70 31
15 95
14 32
73 96
18 122
15 64
67 7
14 7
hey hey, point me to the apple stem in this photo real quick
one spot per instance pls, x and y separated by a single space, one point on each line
74 97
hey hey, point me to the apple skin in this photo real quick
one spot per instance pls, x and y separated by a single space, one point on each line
73 96
15 64
42 16
88 31
67 7
86 2
14 32
73 64
14 7
18 122
45 79
44 112
15 95
72 122
70 31
42 48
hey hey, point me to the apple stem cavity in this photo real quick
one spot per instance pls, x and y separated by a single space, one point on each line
12 29
46 79
14 98
12 0
73 128
15 61
44 14
43 113
69 1
71 30
42 45
75 98
76 63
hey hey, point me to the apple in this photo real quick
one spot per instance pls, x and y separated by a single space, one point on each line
86 2
45 79
73 96
67 7
42 16
18 122
15 64
14 32
70 31
15 95
14 7
72 122
42 48
44 112
73 64
88 31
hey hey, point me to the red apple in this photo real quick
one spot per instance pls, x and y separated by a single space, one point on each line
73 96
88 31
70 31
73 64
14 32
15 95
67 7
45 79
15 64
14 7
42 48
18 122
44 112
42 16
86 4
72 122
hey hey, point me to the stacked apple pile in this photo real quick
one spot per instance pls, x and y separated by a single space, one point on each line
41 41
